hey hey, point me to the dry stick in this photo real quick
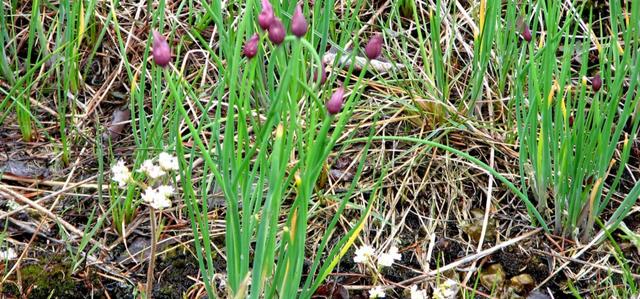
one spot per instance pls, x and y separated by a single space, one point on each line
97 99
559 256
81 184
128 230
36 206
41 209
485 222
66 183
22 255
152 256
431 228
470 258
593 242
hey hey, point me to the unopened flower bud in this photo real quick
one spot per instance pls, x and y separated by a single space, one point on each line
526 33
334 105
299 24
374 47
277 32
596 82
266 16
251 47
324 74
160 50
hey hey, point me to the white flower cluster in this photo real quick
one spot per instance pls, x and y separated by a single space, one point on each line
157 198
8 254
446 290
377 292
366 253
121 174
166 163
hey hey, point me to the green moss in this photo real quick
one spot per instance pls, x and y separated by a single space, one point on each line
50 277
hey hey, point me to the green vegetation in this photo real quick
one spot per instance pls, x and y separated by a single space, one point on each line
319 148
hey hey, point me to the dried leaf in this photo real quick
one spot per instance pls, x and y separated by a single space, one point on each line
493 277
473 228
343 176
522 283
331 290
23 169
118 122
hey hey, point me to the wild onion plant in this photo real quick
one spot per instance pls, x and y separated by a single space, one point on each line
19 95
484 39
576 122
264 148
27 76
148 106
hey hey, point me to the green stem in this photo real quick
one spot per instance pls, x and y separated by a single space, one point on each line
152 256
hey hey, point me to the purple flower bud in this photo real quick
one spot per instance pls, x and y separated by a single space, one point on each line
298 22
526 33
160 49
277 31
266 16
335 103
251 47
374 47
596 82
324 74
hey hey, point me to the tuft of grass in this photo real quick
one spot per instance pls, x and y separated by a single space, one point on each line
266 168
574 139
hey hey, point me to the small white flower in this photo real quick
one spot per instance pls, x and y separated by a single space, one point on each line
166 190
121 173
156 198
151 170
149 195
8 254
446 290
377 292
363 254
168 162
387 259
161 203
418 294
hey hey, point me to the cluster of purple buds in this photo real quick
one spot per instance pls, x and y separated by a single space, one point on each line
275 28
268 21
372 50
277 32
